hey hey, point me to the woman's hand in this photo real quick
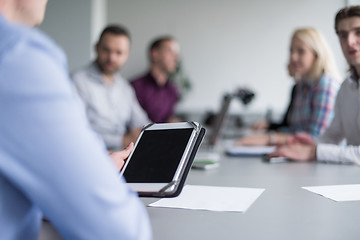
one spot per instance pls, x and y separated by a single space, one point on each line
254 140
264 139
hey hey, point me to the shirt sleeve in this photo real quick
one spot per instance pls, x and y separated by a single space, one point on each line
338 154
112 141
139 117
323 105
55 159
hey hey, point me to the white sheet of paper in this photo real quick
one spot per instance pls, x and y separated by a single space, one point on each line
210 198
338 193
250 150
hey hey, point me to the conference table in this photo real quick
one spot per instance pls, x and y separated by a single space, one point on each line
283 211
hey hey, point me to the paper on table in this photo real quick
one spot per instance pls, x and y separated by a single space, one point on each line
338 193
196 197
240 150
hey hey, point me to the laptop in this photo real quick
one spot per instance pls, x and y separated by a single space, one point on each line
208 153
218 125
245 96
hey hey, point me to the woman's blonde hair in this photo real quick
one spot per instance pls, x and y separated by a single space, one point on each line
324 59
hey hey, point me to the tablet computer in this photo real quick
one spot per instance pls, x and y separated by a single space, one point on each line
162 157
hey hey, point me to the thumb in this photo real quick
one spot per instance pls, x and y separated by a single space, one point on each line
126 152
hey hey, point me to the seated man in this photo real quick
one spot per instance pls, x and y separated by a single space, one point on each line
155 92
111 104
346 123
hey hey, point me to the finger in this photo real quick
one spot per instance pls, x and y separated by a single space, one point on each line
120 164
273 154
123 154
276 153
302 135
126 152
130 147
291 152
291 140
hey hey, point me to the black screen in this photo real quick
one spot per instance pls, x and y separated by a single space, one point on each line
157 156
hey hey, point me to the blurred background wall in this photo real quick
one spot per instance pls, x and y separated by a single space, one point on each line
224 44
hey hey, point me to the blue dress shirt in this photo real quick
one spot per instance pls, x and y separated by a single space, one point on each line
51 162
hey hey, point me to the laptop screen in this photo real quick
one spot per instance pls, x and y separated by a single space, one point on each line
219 120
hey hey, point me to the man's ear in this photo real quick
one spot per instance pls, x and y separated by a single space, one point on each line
154 55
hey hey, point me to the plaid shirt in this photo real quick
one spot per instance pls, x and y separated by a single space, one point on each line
313 105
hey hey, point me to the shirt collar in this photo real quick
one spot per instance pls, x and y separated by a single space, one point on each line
96 73
153 80
9 34
305 84
354 78
353 75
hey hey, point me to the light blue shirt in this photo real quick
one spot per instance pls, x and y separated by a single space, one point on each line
51 162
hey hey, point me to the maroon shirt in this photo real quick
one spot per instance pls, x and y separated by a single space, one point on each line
158 101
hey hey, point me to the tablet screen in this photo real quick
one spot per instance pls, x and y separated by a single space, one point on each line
157 156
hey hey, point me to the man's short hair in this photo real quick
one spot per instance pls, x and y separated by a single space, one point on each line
156 43
116 30
347 12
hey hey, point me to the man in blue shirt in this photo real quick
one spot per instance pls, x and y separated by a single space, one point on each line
51 162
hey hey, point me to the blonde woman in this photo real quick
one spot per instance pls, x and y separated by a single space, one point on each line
317 81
